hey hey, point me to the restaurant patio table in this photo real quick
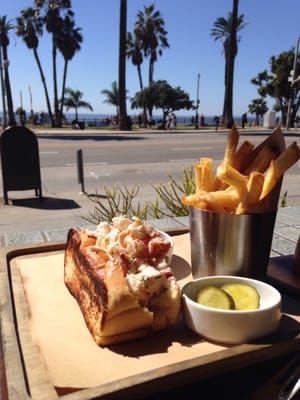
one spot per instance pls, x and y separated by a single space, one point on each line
241 382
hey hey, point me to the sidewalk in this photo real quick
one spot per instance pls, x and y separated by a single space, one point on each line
27 220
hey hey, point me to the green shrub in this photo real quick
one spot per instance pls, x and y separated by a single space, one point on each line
122 201
118 201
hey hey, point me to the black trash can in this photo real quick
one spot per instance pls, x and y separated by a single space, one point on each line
20 161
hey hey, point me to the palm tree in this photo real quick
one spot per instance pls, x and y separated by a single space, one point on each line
112 96
149 29
134 52
150 33
29 28
122 119
5 27
74 100
226 31
68 44
258 107
51 11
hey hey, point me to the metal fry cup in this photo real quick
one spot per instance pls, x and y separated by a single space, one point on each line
230 244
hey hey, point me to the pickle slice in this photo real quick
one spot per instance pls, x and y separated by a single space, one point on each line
245 296
212 296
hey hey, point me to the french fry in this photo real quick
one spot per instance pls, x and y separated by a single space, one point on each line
198 176
244 177
224 201
204 174
233 178
254 188
218 201
242 155
278 166
262 160
232 142
229 154
288 157
192 199
271 176
218 184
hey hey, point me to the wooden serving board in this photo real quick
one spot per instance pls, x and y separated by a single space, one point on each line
48 352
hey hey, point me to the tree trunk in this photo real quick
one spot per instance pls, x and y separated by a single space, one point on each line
55 92
257 119
151 69
226 53
123 121
140 77
10 107
36 56
228 100
4 118
63 91
141 88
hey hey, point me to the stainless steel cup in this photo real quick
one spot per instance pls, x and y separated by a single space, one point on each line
229 244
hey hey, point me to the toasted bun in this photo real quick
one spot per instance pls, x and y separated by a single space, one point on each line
111 311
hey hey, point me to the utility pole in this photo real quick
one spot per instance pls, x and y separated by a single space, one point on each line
30 98
197 103
21 99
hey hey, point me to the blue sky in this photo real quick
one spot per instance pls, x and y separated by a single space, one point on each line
272 27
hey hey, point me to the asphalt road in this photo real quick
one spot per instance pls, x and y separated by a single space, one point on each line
132 159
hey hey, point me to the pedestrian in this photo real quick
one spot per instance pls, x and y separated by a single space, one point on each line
173 122
217 122
244 120
129 122
168 122
140 120
202 120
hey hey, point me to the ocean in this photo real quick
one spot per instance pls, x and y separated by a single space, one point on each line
96 119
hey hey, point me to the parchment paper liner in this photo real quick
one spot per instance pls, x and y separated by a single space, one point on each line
71 356
270 202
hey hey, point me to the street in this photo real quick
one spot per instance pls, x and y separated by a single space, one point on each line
132 159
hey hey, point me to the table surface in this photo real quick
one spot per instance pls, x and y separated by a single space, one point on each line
286 234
